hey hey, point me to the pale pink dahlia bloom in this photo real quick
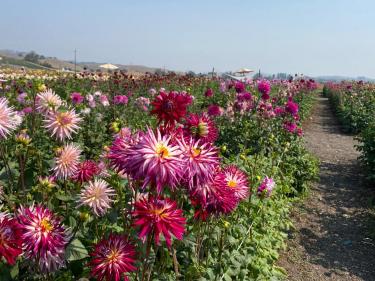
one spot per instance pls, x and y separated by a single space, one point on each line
62 124
97 195
47 101
44 237
66 161
9 119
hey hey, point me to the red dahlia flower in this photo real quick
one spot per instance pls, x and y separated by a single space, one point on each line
112 258
44 237
201 127
86 171
170 107
10 239
159 216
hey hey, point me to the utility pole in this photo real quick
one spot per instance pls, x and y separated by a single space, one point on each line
213 72
75 62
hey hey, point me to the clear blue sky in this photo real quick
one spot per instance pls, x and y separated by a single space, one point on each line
312 37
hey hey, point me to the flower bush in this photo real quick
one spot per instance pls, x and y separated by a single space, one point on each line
113 177
354 104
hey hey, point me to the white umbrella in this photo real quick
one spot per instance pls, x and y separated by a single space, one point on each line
244 70
108 66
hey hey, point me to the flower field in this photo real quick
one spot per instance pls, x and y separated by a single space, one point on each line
174 177
354 104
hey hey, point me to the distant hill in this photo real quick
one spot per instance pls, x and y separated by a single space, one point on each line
337 78
17 59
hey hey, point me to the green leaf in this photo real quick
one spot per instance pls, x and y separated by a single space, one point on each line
76 251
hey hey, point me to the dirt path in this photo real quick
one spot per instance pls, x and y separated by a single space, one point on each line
335 231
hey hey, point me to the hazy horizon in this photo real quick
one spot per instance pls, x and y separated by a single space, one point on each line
311 37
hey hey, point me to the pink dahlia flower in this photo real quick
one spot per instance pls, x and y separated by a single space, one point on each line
66 161
112 258
9 119
215 110
236 180
48 101
155 160
76 98
62 124
44 237
266 187
159 216
264 87
199 162
120 99
97 195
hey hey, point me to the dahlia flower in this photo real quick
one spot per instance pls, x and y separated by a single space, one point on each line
62 124
66 161
291 107
104 100
76 98
236 180
118 151
209 93
200 161
201 127
112 258
86 171
291 127
155 160
10 238
266 187
159 216
9 119
215 110
47 101
44 237
120 99
215 197
264 87
170 107
97 196
239 87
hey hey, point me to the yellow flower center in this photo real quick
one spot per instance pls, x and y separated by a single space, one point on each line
232 183
45 225
195 151
113 255
202 129
63 119
162 151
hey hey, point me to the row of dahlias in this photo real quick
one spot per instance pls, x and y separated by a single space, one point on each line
163 166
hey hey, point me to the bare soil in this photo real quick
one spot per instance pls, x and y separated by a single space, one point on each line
334 236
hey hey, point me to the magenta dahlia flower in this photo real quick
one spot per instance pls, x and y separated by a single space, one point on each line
291 107
215 197
209 93
97 195
291 127
120 99
159 216
171 107
155 160
215 110
86 171
10 238
239 87
112 258
236 180
201 127
266 187
44 237
62 124
9 119
264 87
66 161
199 161
76 98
